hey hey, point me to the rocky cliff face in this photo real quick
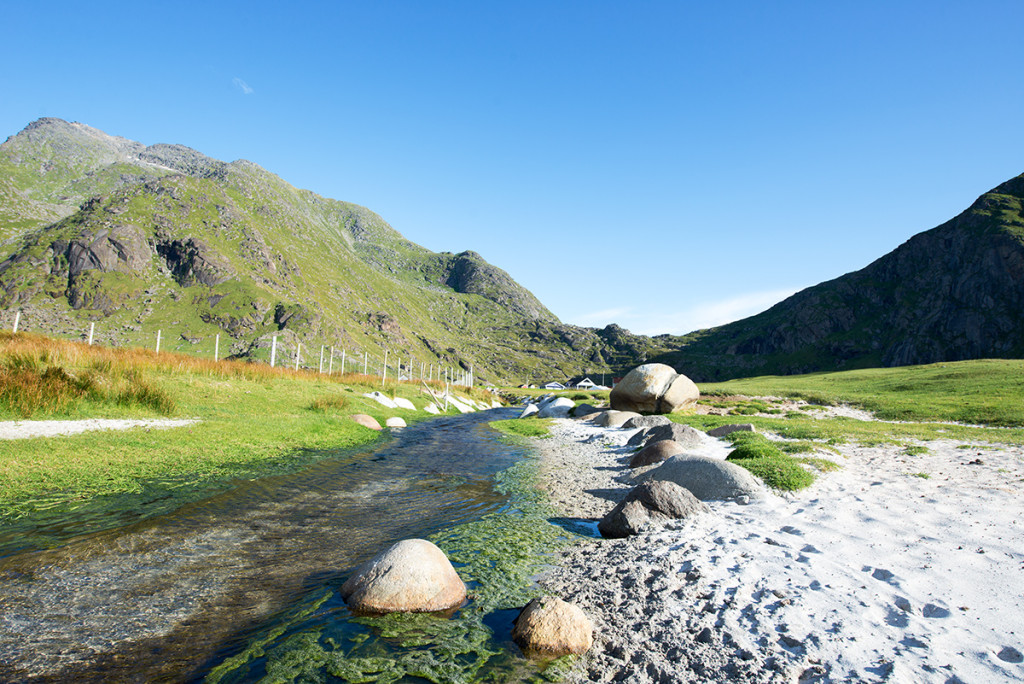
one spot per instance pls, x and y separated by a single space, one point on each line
951 293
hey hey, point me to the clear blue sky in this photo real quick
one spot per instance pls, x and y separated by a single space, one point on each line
663 165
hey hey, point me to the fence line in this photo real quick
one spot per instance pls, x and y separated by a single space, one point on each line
454 375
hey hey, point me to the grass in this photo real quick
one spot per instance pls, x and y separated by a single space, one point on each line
981 392
765 459
253 420
526 427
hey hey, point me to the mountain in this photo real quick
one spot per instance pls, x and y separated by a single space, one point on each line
135 238
951 293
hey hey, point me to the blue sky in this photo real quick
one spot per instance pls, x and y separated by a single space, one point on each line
663 165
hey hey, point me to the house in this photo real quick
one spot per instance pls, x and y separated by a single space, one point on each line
554 386
581 382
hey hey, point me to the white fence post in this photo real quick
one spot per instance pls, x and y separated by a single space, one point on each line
158 341
17 319
330 364
321 358
384 373
92 329
366 361
216 347
273 350
343 361
298 354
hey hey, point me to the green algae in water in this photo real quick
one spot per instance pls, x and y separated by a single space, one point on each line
497 556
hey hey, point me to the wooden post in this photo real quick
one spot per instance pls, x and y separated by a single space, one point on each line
17 319
298 353
92 329
366 361
342 361
273 350
157 341
384 373
216 347
330 364
321 358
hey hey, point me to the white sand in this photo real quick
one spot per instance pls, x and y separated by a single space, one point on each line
24 429
871 574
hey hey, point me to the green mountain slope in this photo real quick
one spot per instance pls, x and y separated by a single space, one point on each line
95 228
951 293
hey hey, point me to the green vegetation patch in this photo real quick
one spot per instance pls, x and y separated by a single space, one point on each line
766 460
523 427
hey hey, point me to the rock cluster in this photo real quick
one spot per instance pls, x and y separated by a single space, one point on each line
654 388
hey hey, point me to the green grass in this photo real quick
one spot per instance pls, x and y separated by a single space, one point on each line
523 427
253 421
981 392
765 459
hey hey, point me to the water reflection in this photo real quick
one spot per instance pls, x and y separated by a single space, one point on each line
153 600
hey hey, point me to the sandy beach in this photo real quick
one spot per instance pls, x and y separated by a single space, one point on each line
895 568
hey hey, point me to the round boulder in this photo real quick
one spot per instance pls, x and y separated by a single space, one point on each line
366 421
551 627
558 408
654 388
529 410
650 503
584 410
656 453
614 419
684 434
646 422
395 422
412 576
708 479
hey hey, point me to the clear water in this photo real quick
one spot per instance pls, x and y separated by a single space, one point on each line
172 597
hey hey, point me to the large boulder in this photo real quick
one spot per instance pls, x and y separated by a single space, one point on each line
584 410
646 422
381 399
657 452
529 410
366 421
684 434
650 503
729 429
559 408
614 419
402 402
412 576
548 626
708 479
654 388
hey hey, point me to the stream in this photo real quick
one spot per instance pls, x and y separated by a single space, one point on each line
177 597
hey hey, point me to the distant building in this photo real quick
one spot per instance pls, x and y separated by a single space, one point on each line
581 382
554 386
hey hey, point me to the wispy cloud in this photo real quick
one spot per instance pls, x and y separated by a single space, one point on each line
243 86
701 315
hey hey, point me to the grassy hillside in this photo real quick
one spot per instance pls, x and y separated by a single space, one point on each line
139 239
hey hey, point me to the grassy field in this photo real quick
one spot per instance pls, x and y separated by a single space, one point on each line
253 420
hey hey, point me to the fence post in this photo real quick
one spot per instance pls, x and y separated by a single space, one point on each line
92 329
384 373
366 362
321 358
298 354
398 370
330 364
158 341
216 347
273 350
17 318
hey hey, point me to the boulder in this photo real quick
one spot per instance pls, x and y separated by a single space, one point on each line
708 479
729 429
650 503
366 421
461 406
684 434
403 403
549 626
559 408
395 422
654 388
529 410
412 576
584 410
432 409
657 452
381 399
614 418
646 422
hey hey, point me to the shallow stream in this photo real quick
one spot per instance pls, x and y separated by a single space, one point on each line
243 586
